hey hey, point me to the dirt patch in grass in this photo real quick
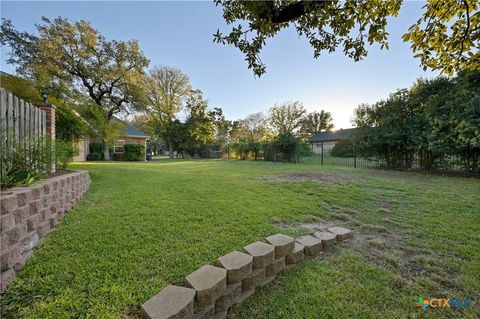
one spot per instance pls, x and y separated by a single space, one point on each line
315 177
383 245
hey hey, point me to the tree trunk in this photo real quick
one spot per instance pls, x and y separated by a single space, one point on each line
170 148
106 153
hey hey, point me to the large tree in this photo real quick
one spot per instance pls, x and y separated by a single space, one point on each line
286 118
166 89
445 38
73 57
316 122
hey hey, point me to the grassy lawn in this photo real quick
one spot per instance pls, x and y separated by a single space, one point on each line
142 226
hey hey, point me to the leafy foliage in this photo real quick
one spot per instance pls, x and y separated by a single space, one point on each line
74 59
432 119
445 38
344 148
166 89
286 118
134 152
316 122
69 126
95 156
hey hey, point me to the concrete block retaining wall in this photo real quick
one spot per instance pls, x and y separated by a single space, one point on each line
211 291
28 214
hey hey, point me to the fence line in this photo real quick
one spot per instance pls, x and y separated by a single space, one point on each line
22 123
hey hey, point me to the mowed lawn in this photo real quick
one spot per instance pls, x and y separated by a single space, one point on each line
142 226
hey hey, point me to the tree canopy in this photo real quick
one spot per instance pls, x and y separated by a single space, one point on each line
166 89
445 38
74 58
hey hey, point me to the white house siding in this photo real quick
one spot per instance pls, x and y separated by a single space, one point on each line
327 147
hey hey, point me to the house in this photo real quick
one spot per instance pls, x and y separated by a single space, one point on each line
131 135
326 140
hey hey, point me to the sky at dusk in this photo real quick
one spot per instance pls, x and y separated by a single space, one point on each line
180 34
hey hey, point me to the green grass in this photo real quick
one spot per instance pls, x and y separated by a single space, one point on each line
142 226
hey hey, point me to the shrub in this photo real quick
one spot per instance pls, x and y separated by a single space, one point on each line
118 157
94 157
343 148
134 152
23 166
64 152
97 148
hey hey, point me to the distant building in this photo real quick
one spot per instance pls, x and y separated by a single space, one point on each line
131 135
328 140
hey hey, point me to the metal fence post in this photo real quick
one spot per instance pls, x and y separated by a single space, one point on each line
322 155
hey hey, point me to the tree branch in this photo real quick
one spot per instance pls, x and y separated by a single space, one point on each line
291 11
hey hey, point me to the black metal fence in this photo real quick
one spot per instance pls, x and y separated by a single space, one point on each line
450 164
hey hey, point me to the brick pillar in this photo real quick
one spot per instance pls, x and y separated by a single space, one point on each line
50 112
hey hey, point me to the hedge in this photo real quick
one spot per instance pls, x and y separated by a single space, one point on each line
94 157
134 152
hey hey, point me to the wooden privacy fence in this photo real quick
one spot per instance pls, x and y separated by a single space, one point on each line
23 124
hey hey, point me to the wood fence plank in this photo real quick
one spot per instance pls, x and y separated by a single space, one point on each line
3 117
16 120
21 126
9 121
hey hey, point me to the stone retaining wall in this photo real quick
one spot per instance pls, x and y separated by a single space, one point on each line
211 291
30 213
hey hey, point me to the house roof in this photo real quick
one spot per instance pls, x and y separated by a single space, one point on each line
132 131
332 136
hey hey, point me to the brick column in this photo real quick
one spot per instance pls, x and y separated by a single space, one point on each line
50 112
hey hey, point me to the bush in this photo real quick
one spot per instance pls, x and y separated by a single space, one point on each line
134 152
64 152
343 148
23 166
94 157
96 148
118 157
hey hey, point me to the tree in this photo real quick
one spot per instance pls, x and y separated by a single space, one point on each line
255 126
316 122
286 118
75 58
446 37
199 125
166 89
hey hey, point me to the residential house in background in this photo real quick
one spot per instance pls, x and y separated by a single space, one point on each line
326 140
131 135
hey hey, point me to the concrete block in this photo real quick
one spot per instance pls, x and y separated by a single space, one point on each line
9 257
209 283
254 280
328 239
313 245
244 296
275 267
237 264
7 222
21 214
297 254
232 292
5 278
263 254
221 314
283 244
22 260
342 233
204 312
267 280
172 302
8 203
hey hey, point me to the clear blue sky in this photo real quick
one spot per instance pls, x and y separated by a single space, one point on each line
180 34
